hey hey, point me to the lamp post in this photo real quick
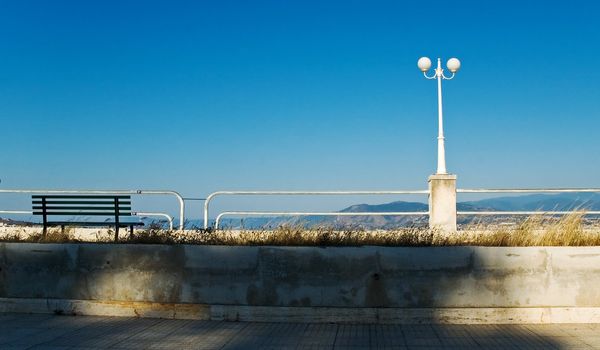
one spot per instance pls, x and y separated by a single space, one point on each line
453 65
442 186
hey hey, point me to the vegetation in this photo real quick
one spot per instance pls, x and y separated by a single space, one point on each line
567 230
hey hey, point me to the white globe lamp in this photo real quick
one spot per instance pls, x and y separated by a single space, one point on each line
453 65
424 63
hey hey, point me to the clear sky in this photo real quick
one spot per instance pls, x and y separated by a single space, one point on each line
201 96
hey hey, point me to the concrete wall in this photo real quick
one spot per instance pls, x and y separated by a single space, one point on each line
365 277
442 202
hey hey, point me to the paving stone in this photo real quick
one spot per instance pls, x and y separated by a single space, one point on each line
545 330
387 337
29 321
352 336
154 334
9 335
317 336
53 332
429 342
464 342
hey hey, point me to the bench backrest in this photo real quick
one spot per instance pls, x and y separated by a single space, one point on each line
86 205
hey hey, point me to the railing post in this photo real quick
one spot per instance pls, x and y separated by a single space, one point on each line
206 204
442 202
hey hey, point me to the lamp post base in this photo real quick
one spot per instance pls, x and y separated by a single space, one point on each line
442 202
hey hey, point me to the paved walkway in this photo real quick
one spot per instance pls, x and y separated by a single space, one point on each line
18 331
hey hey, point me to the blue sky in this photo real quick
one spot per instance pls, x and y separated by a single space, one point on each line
201 96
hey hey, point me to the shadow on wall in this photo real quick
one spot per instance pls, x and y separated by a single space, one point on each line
426 278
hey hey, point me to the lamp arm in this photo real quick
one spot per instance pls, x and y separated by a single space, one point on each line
434 76
448 78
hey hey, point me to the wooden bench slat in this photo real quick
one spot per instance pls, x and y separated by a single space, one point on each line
71 213
80 202
92 223
76 207
80 196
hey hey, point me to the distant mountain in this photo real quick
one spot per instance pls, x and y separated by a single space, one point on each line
398 206
558 202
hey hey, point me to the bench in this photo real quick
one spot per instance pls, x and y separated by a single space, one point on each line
117 207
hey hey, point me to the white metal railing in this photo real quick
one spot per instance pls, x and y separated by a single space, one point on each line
538 212
288 213
164 215
138 192
299 193
529 190
16 212
209 198
284 213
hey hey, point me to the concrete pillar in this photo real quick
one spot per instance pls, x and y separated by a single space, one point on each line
442 202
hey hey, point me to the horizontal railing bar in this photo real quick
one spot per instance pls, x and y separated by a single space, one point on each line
166 216
343 213
287 213
319 192
527 212
16 212
528 190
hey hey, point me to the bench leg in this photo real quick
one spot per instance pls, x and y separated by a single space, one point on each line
117 233
131 231
45 220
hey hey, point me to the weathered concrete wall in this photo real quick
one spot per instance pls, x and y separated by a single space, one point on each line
365 277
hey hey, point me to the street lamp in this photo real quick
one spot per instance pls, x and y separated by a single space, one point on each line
453 66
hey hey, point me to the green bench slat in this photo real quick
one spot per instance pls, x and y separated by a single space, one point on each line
67 213
74 207
81 196
80 202
82 223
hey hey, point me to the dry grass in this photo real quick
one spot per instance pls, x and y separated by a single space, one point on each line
567 230
52 236
533 231
536 230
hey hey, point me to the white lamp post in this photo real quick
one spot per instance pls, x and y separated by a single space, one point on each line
442 186
453 65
